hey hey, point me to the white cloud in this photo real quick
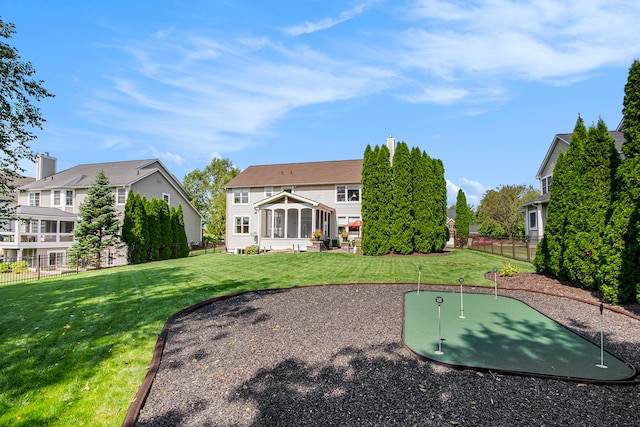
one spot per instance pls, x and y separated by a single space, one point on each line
167 156
326 23
473 191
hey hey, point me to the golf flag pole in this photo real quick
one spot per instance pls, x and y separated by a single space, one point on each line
439 301
495 281
419 271
461 280
601 364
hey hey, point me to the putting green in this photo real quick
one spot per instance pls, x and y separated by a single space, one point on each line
503 334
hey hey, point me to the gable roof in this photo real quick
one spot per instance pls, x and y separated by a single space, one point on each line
311 173
565 139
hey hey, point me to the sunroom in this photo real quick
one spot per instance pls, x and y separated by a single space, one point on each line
288 221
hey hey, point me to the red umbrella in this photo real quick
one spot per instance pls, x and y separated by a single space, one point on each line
356 223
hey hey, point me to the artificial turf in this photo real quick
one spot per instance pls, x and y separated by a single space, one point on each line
503 334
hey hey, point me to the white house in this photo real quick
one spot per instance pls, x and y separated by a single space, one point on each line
280 206
48 206
535 210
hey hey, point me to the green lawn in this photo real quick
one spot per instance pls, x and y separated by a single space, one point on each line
75 349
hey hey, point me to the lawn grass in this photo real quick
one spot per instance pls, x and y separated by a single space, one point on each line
75 349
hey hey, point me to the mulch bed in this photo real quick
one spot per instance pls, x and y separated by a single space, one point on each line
331 355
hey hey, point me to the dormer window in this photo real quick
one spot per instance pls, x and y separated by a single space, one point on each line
546 184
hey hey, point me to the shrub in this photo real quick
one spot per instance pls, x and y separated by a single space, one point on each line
508 270
251 250
19 266
4 267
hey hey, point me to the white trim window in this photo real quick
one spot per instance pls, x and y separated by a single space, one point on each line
240 196
121 196
546 184
34 199
241 225
56 198
166 197
347 193
532 220
69 197
268 192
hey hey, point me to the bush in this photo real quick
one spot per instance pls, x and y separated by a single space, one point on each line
251 250
19 266
508 270
4 267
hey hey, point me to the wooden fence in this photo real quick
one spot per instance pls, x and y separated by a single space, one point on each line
520 248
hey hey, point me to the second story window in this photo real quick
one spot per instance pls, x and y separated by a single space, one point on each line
34 199
240 196
347 193
546 184
166 197
268 192
57 200
68 199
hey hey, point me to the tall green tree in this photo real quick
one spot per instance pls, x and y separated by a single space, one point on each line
563 201
18 91
135 230
166 232
152 209
619 273
499 210
403 215
423 202
369 200
439 195
209 198
97 227
182 242
463 219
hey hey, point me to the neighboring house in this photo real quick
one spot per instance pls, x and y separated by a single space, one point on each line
280 206
48 206
451 226
535 210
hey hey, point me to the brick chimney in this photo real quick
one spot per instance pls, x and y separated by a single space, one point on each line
45 166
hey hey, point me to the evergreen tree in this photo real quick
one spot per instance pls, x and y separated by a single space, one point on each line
619 275
183 243
165 230
563 201
439 195
152 209
423 219
587 218
463 219
403 215
369 201
175 230
135 232
97 227
385 201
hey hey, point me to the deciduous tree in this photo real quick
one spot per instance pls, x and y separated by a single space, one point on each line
19 115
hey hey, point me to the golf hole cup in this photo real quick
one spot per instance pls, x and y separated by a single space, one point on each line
439 301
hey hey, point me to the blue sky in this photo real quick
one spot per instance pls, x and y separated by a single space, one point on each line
483 85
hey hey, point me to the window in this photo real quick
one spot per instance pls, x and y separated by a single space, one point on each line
34 199
546 184
121 196
292 224
241 196
68 198
532 220
167 198
268 192
57 200
47 226
278 223
241 225
306 218
350 193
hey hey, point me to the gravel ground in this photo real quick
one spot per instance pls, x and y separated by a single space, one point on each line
331 355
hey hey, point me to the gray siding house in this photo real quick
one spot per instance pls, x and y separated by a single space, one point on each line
48 206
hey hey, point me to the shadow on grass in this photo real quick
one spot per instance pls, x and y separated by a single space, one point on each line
73 327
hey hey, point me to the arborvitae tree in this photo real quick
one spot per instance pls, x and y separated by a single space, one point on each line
463 220
619 275
402 217
183 243
97 227
135 232
439 195
155 229
165 230
369 201
422 201
175 231
550 255
587 218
